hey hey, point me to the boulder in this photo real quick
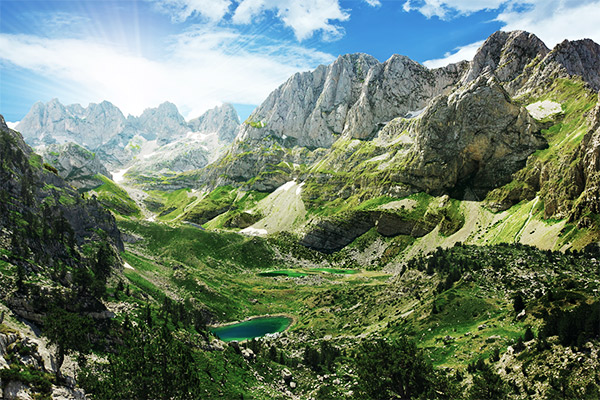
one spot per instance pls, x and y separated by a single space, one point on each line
16 391
286 375
248 354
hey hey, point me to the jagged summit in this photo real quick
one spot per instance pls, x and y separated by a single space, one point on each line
163 123
54 123
222 120
350 97
507 54
103 129
523 63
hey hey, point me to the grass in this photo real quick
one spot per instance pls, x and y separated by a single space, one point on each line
115 198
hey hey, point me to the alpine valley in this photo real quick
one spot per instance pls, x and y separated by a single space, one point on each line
413 233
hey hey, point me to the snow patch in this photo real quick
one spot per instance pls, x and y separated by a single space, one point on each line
381 157
416 113
199 136
119 175
543 109
12 125
299 189
126 265
253 231
148 149
286 186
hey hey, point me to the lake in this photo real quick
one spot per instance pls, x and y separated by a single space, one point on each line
253 328
293 274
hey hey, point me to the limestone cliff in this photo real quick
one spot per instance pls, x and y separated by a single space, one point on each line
75 164
351 97
475 137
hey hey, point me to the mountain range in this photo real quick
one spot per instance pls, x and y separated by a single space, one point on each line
453 212
116 140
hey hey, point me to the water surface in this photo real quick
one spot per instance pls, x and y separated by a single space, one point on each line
252 328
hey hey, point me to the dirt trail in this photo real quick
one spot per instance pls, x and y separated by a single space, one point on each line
518 235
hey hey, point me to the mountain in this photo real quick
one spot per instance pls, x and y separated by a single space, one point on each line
351 97
206 138
54 123
75 164
46 221
222 120
502 129
163 123
102 129
437 227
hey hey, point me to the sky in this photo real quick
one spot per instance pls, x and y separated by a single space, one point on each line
198 54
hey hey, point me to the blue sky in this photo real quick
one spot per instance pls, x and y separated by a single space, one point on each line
200 53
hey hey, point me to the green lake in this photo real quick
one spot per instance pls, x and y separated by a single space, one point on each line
252 328
299 274
293 274
337 271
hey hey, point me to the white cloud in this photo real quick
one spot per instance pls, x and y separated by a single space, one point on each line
462 53
444 9
551 20
201 69
555 20
373 3
180 10
303 17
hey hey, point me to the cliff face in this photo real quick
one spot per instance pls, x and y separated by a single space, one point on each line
351 97
74 164
475 137
43 216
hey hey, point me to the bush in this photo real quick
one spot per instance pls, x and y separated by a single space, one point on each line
396 369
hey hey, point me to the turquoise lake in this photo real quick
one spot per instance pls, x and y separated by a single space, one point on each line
253 328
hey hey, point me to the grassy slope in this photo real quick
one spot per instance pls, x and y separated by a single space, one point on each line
475 316
115 198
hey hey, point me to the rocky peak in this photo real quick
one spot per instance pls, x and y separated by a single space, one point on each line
75 164
579 57
475 137
165 123
222 120
354 96
506 54
3 125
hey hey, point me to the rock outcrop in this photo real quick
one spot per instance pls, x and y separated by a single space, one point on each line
75 164
352 97
475 137
222 120
30 354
